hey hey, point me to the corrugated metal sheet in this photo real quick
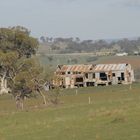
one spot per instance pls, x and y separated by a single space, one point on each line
88 68
75 68
109 67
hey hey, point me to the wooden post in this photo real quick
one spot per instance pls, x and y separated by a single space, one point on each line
89 100
76 91
130 87
22 105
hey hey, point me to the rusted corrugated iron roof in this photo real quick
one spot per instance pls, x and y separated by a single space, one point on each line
75 68
109 67
91 68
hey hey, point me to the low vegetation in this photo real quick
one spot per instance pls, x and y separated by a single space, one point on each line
113 113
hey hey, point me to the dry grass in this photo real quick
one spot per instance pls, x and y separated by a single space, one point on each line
113 114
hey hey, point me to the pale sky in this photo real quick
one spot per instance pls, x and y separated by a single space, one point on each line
87 19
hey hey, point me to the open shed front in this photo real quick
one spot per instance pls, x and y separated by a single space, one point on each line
113 78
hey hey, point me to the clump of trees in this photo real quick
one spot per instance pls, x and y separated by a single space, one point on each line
20 73
92 59
73 45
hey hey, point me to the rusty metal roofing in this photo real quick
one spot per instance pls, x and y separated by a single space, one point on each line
91 68
110 67
75 68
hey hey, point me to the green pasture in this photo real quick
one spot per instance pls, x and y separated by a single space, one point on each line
62 59
55 59
113 114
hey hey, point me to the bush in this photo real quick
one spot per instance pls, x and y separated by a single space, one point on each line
91 59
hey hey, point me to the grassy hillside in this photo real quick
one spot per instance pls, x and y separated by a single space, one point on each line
84 58
112 115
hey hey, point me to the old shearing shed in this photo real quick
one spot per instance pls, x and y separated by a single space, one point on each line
84 75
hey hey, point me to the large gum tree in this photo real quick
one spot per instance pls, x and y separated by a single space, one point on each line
19 72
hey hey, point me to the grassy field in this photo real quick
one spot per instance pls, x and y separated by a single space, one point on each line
114 114
82 58
63 59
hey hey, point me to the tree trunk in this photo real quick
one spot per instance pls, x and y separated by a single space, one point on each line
19 102
3 85
43 96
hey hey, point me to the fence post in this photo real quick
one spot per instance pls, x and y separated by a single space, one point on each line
76 91
89 100
130 87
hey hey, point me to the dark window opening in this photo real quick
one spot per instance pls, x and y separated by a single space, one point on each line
110 83
93 75
119 78
86 75
79 85
103 76
90 84
122 76
79 79
68 72
113 74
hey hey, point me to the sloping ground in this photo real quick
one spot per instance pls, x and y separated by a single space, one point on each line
133 60
82 59
114 114
56 59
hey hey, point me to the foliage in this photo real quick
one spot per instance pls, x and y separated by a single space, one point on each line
19 40
74 45
16 65
91 59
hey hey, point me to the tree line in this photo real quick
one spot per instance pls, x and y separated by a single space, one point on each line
72 45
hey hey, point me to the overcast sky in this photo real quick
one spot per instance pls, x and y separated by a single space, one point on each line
87 19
